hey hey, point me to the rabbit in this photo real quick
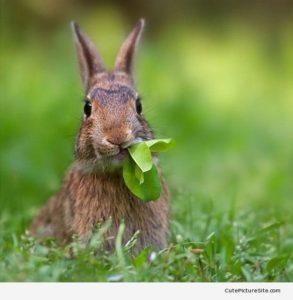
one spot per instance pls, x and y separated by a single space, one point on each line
93 189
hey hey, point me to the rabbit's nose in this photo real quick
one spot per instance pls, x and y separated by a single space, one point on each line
118 136
118 140
113 141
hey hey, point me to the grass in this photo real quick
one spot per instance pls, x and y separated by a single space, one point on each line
227 102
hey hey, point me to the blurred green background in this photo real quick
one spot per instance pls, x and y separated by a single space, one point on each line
215 75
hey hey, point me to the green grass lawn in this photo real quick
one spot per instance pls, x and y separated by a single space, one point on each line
227 100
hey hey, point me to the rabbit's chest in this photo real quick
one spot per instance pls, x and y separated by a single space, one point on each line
98 199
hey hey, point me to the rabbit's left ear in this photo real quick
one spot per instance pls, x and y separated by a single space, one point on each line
125 57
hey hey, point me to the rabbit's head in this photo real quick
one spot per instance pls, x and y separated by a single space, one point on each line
112 117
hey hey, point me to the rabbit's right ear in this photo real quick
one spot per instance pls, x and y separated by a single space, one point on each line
88 57
124 60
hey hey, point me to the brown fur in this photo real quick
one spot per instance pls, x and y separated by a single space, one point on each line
93 189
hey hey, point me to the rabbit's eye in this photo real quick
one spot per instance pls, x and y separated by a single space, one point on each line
138 106
87 108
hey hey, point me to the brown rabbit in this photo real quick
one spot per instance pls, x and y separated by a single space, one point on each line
93 189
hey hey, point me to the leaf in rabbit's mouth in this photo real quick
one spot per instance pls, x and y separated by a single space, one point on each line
139 172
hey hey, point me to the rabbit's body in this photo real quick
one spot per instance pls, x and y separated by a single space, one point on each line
86 199
93 190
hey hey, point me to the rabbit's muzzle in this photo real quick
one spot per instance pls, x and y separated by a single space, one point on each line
114 143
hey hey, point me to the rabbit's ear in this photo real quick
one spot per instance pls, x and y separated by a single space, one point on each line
89 59
124 60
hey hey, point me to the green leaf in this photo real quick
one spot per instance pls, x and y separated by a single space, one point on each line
150 189
160 145
141 154
139 173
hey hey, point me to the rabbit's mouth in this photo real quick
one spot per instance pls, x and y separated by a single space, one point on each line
120 156
121 153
